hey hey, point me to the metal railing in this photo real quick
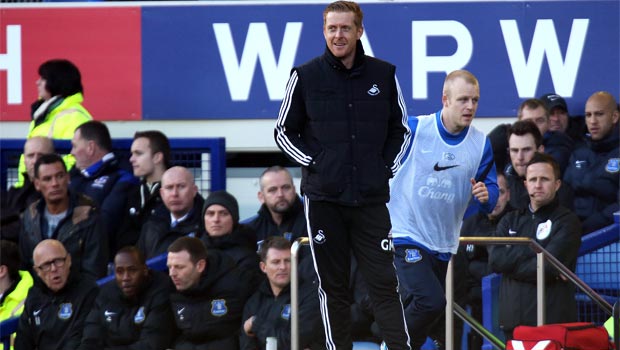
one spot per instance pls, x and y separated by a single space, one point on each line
541 256
295 292
453 308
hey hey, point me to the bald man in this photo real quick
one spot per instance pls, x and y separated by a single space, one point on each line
178 216
593 168
57 304
17 199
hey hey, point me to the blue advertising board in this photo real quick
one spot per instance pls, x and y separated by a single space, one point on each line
232 61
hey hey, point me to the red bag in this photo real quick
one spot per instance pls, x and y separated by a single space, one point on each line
533 345
560 336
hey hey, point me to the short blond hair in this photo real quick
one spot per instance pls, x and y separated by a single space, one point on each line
345 6
461 73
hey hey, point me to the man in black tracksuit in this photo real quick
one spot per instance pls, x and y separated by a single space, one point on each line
344 121
594 168
268 311
132 311
556 229
209 298
57 304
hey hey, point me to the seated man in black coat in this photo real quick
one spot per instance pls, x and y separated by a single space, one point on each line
17 199
178 217
556 229
209 298
57 304
62 214
594 169
281 212
132 311
268 312
224 233
98 175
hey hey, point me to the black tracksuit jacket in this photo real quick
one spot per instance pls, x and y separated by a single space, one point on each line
208 315
55 321
141 323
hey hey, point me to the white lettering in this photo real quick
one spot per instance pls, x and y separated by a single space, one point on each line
422 64
387 244
240 73
11 62
526 72
428 192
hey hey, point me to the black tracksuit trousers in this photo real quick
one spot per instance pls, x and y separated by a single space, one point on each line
336 231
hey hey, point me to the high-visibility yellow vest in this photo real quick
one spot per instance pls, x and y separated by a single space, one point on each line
59 124
13 304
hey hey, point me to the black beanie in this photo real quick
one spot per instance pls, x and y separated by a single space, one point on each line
224 199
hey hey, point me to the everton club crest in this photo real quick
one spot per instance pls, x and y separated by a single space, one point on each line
412 256
65 311
218 307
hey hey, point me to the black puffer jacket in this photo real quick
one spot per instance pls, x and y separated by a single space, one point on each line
556 229
240 245
142 323
208 315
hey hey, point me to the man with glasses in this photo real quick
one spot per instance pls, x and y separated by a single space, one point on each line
57 304
63 215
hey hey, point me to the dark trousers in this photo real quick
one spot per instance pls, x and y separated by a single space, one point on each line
335 231
422 279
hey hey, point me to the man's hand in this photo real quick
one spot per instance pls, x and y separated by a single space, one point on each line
479 190
247 327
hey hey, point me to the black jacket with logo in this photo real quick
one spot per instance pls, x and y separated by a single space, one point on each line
142 323
55 321
208 315
347 128
594 175
556 229
272 318
240 245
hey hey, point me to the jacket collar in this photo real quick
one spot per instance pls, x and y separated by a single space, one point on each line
358 62
95 169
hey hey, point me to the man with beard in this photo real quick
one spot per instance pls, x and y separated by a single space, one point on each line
281 212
